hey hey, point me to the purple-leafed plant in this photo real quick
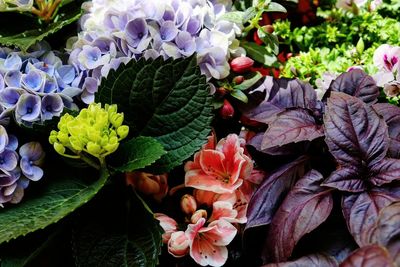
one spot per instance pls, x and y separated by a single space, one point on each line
341 153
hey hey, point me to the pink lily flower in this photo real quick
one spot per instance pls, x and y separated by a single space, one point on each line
178 244
208 244
220 170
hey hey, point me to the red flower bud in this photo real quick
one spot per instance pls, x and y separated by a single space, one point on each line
241 64
257 39
238 79
226 111
268 28
188 204
221 91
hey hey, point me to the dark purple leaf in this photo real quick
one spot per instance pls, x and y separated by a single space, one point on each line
369 256
270 194
289 149
388 230
391 115
385 171
358 139
281 94
305 207
356 83
361 211
291 126
313 260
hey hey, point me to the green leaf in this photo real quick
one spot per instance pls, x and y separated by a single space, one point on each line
240 95
259 53
275 7
249 13
246 84
168 100
63 192
137 153
29 31
131 237
233 16
270 40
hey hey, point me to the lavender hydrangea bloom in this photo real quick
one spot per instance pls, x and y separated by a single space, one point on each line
170 28
34 80
16 170
13 78
28 108
91 58
32 156
52 105
12 62
35 74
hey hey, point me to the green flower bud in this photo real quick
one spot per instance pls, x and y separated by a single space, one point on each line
53 137
123 131
93 149
76 143
117 119
63 138
111 147
59 148
95 130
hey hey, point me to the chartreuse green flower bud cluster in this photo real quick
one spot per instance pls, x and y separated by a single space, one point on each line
96 131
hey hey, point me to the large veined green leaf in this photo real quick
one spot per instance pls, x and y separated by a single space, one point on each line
168 100
24 31
114 237
59 195
136 153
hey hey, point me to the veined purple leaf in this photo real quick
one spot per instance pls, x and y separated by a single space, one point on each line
281 94
270 194
369 256
289 149
388 230
320 260
391 115
361 211
356 83
305 207
291 126
358 139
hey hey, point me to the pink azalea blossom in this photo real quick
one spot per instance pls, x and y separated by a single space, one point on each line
208 244
168 224
178 244
220 170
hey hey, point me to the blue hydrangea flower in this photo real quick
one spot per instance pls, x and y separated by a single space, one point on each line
28 108
32 156
91 58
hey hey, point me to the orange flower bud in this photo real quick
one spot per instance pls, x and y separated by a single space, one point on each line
188 204
148 184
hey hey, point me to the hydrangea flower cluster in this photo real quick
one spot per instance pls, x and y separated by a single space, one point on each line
17 166
223 179
96 131
36 86
387 60
114 32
